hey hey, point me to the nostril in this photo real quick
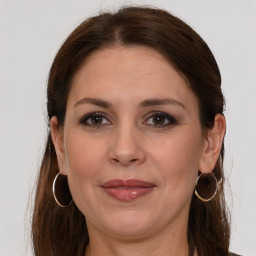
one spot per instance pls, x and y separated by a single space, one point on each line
115 160
123 161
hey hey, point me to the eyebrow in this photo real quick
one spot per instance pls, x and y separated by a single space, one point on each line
93 101
156 102
145 103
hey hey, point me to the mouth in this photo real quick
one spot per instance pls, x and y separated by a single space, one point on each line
127 190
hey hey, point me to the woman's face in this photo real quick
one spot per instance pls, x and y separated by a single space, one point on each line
132 143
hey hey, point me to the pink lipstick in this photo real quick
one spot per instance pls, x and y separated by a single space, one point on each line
127 190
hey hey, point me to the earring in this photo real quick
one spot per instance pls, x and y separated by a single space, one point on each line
207 186
61 192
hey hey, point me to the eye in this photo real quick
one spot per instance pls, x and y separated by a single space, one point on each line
160 119
95 120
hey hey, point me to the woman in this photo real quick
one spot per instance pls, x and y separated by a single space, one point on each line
133 163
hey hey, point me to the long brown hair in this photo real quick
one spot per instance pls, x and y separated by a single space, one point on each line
62 232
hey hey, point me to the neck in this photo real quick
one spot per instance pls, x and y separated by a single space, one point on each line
164 244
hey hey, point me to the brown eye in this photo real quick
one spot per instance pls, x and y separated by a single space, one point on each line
160 119
95 120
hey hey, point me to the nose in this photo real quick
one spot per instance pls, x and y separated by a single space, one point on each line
127 146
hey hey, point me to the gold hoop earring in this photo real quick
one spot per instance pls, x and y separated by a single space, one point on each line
61 192
207 186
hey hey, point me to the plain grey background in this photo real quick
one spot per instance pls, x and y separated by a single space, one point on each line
31 33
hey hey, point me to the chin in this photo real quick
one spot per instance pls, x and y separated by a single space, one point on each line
130 225
131 230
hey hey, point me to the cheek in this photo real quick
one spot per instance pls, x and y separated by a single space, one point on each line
177 158
82 154
85 163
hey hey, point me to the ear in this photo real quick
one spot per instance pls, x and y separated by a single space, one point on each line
212 144
57 138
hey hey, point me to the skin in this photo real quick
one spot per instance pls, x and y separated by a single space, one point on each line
128 143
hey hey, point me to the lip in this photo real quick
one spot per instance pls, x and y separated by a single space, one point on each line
127 190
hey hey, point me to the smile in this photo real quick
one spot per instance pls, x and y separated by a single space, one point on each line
127 190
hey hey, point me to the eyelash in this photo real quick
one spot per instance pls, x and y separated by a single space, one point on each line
170 119
84 120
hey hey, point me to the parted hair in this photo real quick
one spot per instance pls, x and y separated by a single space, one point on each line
60 231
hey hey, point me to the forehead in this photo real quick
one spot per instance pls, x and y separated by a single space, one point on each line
137 62
134 73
